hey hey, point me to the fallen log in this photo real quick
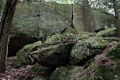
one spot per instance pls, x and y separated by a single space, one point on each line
111 38
107 31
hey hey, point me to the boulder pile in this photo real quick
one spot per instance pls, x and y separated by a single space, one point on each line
71 56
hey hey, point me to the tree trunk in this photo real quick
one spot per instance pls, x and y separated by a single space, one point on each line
88 19
117 24
72 25
5 27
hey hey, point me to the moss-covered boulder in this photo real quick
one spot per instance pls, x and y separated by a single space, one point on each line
58 38
41 18
66 73
87 48
107 32
54 55
84 35
68 36
55 51
23 55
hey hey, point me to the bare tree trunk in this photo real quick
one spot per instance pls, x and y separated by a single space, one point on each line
88 19
5 27
71 21
117 24
72 24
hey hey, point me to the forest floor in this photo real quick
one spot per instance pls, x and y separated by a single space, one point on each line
13 73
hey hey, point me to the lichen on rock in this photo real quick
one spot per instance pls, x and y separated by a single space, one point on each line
57 38
86 48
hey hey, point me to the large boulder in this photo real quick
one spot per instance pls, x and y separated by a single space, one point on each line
49 19
87 48
18 41
53 18
54 55
55 51
58 38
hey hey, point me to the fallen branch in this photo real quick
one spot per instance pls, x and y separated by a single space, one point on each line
106 31
100 60
111 38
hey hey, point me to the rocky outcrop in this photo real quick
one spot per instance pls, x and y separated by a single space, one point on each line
54 52
73 57
52 18
62 49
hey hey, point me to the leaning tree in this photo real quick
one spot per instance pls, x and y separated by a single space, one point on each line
5 28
